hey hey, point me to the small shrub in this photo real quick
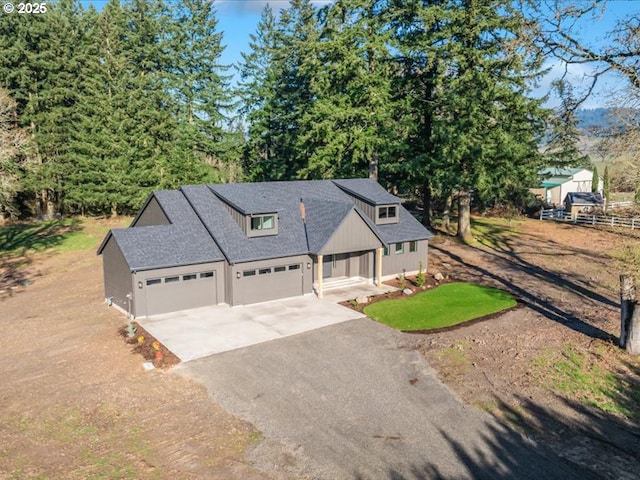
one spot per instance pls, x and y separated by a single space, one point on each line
420 277
402 280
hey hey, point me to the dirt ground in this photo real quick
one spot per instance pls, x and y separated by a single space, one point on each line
76 402
512 365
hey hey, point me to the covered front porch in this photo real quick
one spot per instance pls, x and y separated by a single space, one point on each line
338 271
339 289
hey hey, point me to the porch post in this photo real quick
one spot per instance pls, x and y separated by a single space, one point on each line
378 267
319 272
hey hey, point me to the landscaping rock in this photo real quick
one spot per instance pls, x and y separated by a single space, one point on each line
446 265
407 291
438 277
361 300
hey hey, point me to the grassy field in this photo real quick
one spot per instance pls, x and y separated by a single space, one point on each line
447 305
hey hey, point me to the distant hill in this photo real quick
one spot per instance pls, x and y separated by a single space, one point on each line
593 120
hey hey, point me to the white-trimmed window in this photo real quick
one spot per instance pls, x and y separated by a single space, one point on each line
387 212
263 222
413 246
399 248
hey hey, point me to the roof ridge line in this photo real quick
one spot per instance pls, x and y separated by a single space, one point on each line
204 225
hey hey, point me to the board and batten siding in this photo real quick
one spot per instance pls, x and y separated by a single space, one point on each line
353 235
179 295
408 262
117 275
151 215
237 216
367 208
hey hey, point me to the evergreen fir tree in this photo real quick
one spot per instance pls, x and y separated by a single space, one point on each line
199 90
348 129
595 180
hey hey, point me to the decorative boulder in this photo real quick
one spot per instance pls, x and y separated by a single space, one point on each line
361 300
438 277
407 291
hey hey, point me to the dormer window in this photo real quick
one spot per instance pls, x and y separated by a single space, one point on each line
386 214
263 222
262 225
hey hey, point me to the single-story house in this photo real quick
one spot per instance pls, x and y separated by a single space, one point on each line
245 243
583 202
556 183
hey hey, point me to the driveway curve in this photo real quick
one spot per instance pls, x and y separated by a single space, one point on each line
355 401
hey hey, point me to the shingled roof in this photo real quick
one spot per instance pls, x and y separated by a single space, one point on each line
203 230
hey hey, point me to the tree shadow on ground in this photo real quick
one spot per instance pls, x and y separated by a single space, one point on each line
20 238
534 301
504 454
503 246
538 442
18 242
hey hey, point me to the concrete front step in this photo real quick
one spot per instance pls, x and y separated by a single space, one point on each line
339 282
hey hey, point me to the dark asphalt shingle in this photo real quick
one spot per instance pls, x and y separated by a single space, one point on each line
203 229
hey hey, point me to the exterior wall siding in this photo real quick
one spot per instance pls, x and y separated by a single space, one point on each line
408 262
117 275
237 216
273 285
151 215
367 208
353 235
182 294
366 264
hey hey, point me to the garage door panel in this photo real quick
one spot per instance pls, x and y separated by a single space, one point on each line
180 292
269 283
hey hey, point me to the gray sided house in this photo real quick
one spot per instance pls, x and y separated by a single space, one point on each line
244 243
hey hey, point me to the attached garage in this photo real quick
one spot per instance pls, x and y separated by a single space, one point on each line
271 279
170 290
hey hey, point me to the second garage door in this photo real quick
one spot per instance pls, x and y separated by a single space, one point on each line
268 282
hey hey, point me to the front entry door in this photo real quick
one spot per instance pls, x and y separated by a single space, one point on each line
327 260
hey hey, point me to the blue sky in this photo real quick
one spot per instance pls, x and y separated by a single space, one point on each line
237 19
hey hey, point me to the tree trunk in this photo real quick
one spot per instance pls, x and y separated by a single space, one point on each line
426 204
464 216
373 166
627 304
446 219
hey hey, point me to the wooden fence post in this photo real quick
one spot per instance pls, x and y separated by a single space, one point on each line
633 333
627 304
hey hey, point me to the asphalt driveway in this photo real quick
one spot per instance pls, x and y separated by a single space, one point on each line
354 401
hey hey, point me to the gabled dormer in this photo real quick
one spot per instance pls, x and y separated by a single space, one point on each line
379 205
261 224
255 220
386 214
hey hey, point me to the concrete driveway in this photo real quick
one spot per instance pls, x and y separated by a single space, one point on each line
355 401
197 333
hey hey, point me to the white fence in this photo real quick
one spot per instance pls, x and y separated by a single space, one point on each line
617 205
588 219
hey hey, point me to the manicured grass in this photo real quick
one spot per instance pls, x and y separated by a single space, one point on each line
447 305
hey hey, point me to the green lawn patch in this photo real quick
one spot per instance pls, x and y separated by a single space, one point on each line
445 306
64 235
